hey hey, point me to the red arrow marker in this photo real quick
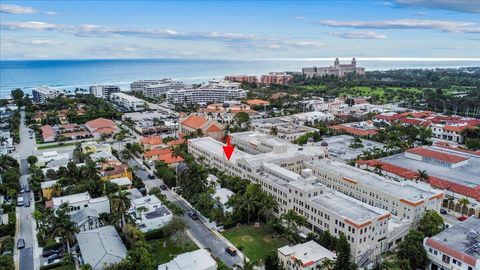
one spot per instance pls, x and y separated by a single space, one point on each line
228 150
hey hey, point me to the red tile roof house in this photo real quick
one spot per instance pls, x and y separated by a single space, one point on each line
151 142
354 131
48 134
101 126
164 155
209 127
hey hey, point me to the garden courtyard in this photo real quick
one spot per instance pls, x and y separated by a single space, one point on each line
254 242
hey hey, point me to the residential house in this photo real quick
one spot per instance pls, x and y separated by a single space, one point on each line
76 202
86 219
101 126
101 247
306 256
199 260
209 127
149 213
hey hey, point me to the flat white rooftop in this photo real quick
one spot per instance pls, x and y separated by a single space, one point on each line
307 252
402 190
215 148
347 207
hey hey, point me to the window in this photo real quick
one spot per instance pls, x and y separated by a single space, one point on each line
446 258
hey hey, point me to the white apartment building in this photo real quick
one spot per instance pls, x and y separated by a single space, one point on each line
402 199
42 93
149 213
306 256
160 89
137 86
103 91
82 200
332 196
457 247
128 102
365 226
204 95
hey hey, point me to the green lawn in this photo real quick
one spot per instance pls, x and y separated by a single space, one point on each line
254 242
164 253
43 147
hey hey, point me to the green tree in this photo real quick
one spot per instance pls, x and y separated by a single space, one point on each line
464 202
32 160
271 261
344 260
17 94
293 222
63 227
119 204
422 176
412 250
431 223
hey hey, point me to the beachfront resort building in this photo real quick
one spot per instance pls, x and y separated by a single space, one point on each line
204 95
104 91
42 93
339 70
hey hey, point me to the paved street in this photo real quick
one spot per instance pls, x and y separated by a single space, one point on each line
25 257
200 231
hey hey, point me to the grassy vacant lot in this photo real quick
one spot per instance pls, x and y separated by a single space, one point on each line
166 248
254 242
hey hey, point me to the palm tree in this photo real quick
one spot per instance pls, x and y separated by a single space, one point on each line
327 264
120 203
378 168
293 222
463 202
176 151
274 131
63 227
423 176
268 205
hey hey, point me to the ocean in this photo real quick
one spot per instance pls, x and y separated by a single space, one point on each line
71 74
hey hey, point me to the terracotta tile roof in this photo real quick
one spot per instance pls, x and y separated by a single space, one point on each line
459 255
153 140
101 125
433 181
256 102
156 152
411 121
354 131
47 131
69 126
214 128
167 158
457 129
176 142
424 152
194 121
72 134
447 146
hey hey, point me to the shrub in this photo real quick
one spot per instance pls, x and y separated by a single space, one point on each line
154 234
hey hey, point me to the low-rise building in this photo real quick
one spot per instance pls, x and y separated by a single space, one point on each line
122 182
86 219
150 213
101 126
360 129
199 260
151 142
80 201
128 102
104 91
306 256
93 147
222 195
101 247
208 127
276 78
457 247
48 188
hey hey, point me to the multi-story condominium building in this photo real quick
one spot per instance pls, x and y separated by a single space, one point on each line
104 91
404 200
150 213
357 203
137 86
339 70
306 256
276 78
42 93
160 89
457 247
128 102
204 95
241 78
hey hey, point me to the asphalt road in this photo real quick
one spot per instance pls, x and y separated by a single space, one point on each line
199 231
24 214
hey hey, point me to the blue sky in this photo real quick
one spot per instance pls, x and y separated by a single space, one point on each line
239 29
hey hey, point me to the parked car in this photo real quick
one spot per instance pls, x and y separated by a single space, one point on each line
49 253
27 188
443 211
27 203
163 187
462 218
20 201
22 190
231 250
20 243
54 257
193 215
51 262
151 176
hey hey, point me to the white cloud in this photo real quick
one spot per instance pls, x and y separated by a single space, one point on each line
467 6
300 18
15 9
43 42
446 26
28 26
359 35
